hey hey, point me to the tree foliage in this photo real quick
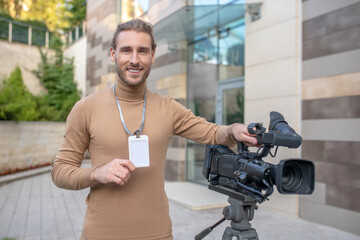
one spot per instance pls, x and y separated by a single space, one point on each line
57 77
16 102
76 11
56 14
12 7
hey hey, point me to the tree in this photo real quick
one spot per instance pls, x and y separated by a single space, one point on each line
49 11
56 14
76 11
12 7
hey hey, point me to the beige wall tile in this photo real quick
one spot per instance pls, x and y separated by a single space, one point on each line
328 87
178 80
273 43
177 92
175 86
274 79
258 110
176 68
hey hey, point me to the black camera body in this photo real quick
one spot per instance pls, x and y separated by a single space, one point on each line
246 172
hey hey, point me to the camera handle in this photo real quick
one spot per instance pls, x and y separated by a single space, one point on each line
240 212
243 149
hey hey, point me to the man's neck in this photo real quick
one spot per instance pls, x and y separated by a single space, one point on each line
125 92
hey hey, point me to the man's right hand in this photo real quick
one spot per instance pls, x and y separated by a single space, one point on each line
117 171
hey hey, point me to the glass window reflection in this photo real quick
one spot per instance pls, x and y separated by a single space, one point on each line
215 63
216 2
232 51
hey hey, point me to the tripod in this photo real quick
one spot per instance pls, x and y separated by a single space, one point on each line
240 212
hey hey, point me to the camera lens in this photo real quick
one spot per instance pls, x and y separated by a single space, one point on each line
291 177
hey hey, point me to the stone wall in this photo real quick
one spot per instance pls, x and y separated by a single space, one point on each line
25 144
27 58
102 20
78 51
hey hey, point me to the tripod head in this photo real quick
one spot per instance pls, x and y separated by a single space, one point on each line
240 212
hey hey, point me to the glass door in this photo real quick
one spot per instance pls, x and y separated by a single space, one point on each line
230 101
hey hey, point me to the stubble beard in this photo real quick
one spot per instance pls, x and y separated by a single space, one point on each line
122 76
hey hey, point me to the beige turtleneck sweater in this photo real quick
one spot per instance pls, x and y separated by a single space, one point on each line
139 209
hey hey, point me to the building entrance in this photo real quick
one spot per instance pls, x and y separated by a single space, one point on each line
215 71
230 101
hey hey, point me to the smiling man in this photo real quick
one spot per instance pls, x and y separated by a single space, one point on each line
133 58
127 198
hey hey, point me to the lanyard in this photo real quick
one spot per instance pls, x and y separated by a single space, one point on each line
138 131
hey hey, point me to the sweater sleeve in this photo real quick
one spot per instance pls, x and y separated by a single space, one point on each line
187 125
66 171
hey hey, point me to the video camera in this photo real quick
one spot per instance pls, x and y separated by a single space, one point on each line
247 173
249 180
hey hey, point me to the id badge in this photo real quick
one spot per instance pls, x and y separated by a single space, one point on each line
139 150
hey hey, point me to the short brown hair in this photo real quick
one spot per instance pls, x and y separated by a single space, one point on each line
135 25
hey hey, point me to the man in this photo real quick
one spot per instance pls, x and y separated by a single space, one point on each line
124 202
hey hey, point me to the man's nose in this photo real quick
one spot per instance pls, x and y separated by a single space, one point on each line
134 58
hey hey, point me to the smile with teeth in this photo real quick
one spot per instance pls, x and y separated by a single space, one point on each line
133 70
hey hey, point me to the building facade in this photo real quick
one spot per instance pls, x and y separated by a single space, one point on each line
235 61
331 110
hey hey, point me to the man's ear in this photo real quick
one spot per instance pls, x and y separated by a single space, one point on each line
153 56
112 54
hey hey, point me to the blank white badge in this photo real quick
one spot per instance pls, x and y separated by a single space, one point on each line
139 150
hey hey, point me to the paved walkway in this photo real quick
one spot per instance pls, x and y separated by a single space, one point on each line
35 209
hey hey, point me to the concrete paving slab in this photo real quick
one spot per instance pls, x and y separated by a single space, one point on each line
24 174
184 197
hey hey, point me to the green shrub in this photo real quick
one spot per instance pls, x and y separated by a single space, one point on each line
16 102
57 77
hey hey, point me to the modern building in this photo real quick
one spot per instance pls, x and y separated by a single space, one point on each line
235 61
